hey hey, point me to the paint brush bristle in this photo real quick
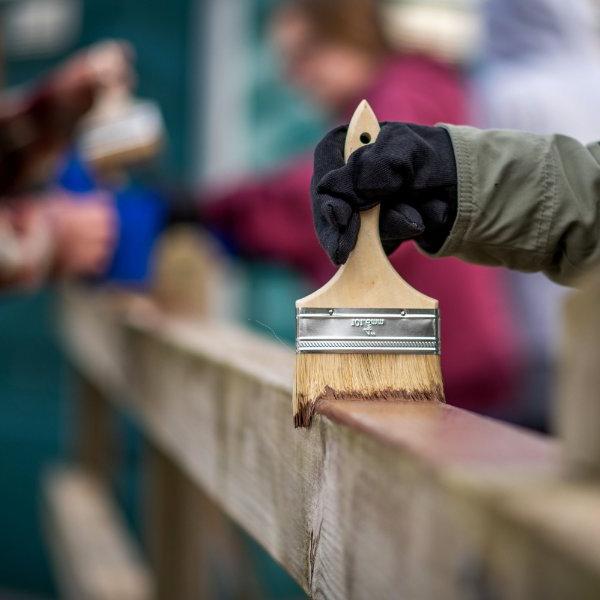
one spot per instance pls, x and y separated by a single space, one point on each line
389 377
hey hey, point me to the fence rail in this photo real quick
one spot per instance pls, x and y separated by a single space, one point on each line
380 500
92 553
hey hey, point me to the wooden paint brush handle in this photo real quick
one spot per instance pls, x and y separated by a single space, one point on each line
362 131
367 280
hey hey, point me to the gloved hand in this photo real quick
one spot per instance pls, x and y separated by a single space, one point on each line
410 170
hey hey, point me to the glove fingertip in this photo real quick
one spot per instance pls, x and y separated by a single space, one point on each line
347 240
336 212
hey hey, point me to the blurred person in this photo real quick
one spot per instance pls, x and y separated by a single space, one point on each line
335 52
540 69
540 72
53 232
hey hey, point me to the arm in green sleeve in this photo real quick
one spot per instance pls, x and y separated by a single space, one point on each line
525 201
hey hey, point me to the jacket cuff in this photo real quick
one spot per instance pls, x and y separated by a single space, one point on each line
507 197
465 167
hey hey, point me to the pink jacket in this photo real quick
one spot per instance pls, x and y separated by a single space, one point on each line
271 219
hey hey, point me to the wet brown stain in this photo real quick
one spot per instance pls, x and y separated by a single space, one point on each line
308 407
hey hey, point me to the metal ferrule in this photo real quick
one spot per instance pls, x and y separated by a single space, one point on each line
367 330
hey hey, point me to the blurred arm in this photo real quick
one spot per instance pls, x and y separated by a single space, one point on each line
270 218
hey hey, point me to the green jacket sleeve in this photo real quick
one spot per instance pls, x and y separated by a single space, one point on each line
525 201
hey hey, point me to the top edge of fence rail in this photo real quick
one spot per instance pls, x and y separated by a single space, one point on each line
446 435
249 353
496 442
440 433
226 344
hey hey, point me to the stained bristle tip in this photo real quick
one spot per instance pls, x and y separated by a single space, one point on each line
387 377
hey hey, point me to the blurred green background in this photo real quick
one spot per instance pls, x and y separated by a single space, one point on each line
35 411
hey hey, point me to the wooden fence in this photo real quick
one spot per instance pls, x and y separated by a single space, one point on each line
376 500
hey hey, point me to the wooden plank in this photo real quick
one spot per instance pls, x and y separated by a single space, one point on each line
376 499
193 548
579 405
189 273
93 325
546 543
94 557
96 440
171 525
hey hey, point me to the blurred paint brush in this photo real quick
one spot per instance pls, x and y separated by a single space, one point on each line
389 348
121 131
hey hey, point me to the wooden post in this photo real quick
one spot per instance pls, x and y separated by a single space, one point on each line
189 274
93 555
194 550
95 438
377 499
169 545
579 389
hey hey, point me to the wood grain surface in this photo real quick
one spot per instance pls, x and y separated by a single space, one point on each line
94 557
375 500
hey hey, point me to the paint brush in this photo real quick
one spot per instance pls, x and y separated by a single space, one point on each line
366 334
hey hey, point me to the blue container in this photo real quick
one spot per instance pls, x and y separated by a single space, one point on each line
141 217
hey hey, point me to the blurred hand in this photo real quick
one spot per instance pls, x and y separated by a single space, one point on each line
84 232
38 124
106 65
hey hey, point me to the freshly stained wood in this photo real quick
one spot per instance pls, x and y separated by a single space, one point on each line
93 556
375 500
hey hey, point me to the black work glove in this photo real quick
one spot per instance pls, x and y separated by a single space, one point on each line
410 170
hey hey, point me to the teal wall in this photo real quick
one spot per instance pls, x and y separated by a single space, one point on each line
282 126
33 376
34 415
32 434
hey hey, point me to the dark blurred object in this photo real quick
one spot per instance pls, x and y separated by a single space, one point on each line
35 131
183 206
37 125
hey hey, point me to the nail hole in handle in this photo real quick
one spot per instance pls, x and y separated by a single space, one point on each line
365 138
